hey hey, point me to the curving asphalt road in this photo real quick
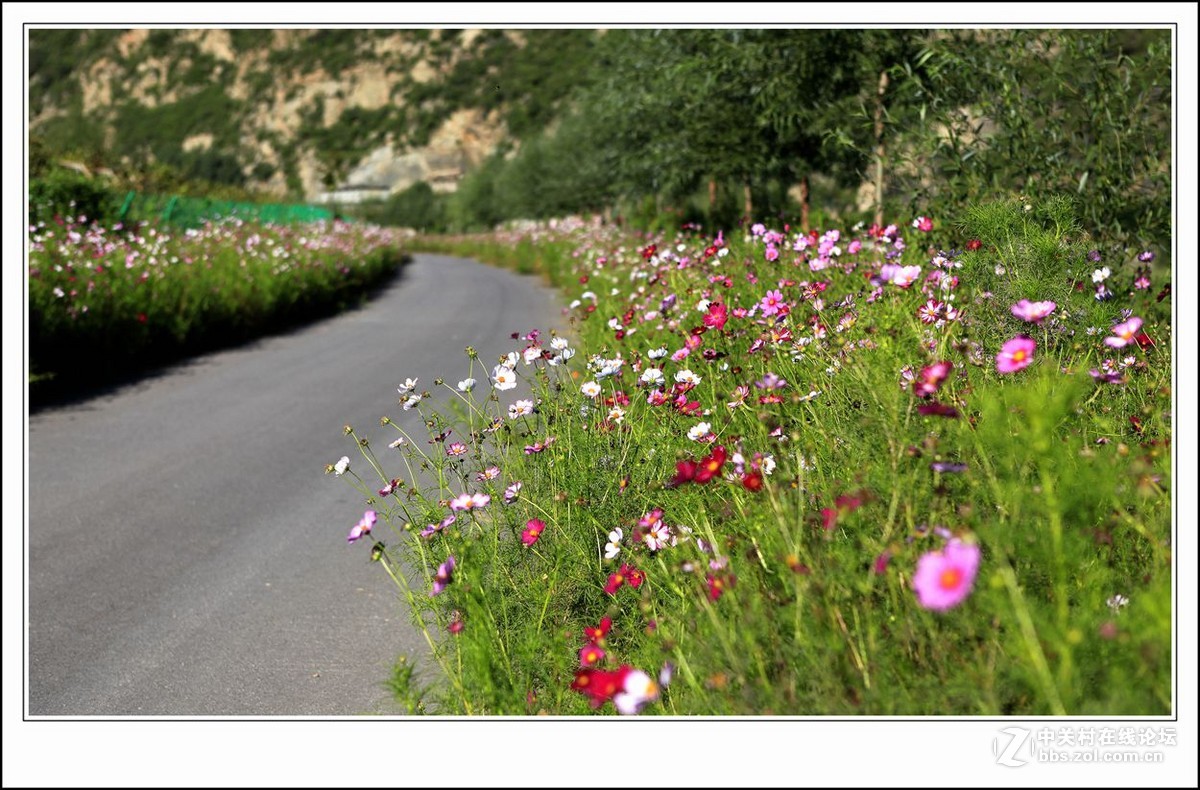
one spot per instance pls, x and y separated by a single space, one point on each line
187 554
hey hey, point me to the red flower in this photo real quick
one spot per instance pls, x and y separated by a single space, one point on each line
938 410
710 465
752 481
632 575
685 472
974 244
533 531
615 581
717 316
600 685
717 585
596 633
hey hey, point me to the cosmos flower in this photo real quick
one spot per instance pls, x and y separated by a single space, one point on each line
1124 333
944 579
1033 312
444 575
533 530
1016 354
363 527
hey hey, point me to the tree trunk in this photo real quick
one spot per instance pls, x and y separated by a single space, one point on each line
879 149
747 202
712 198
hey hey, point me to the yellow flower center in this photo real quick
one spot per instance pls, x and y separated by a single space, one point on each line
950 578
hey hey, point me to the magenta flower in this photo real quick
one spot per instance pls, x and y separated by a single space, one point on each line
533 531
1015 354
444 575
923 224
1125 333
944 579
363 527
1033 312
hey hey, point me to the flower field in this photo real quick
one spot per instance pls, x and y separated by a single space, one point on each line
921 469
105 301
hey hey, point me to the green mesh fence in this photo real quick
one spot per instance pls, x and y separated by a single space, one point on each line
191 212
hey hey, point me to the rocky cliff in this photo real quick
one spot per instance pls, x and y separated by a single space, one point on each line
296 112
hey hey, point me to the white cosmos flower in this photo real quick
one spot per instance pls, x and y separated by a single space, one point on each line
702 306
407 386
591 389
510 360
686 376
613 547
1100 275
639 690
768 465
412 401
652 376
699 431
466 385
520 409
559 343
341 466
504 377
532 354
657 353
616 414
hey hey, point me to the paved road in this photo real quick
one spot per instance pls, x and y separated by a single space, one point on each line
187 553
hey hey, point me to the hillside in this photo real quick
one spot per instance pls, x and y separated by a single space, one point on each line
299 112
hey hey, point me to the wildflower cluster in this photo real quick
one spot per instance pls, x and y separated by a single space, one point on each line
726 479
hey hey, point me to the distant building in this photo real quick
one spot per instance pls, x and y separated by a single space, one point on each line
354 193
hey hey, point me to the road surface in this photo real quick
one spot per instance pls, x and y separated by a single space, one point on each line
187 553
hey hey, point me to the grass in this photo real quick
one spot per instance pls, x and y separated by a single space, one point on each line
789 582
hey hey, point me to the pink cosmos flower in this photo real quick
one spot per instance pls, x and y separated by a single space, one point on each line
1033 312
771 303
590 656
1125 333
363 527
932 378
444 575
466 501
1015 354
923 224
944 579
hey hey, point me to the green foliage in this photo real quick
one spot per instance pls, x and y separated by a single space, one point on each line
1082 112
67 194
416 207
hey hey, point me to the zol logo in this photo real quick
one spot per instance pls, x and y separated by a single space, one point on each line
1007 755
